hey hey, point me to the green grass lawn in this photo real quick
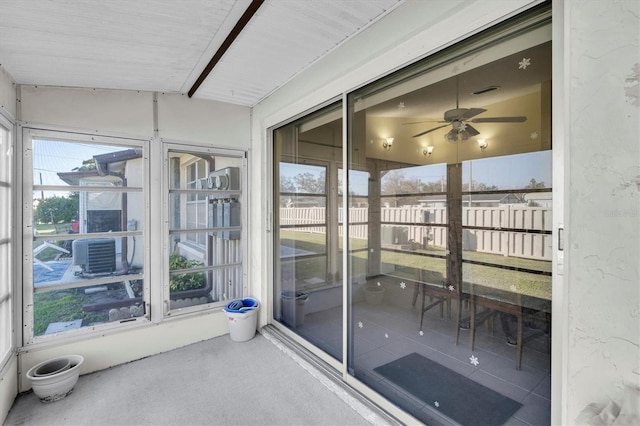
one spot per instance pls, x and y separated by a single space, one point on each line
529 284
62 306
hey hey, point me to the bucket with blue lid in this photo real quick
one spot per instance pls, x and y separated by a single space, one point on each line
242 316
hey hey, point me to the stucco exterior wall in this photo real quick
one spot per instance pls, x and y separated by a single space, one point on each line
603 212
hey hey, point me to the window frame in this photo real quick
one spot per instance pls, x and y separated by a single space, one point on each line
8 300
197 202
28 135
197 149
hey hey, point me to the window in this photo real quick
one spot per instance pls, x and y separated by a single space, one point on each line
6 241
85 263
205 216
197 203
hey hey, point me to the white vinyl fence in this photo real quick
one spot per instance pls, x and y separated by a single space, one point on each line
422 227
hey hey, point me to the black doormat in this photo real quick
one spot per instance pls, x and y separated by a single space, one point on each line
463 400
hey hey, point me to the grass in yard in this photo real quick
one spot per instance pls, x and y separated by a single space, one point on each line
529 284
61 306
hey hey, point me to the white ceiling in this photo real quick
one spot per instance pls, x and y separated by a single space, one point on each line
163 45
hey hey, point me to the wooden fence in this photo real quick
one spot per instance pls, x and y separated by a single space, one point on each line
514 229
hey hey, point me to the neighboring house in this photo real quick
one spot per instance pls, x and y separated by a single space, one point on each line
104 211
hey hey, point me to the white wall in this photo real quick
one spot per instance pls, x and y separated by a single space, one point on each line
130 114
8 372
8 387
603 212
596 311
7 92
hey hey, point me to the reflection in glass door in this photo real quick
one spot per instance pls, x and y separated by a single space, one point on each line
308 265
449 301
447 231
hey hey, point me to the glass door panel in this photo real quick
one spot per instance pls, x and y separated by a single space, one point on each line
449 304
308 265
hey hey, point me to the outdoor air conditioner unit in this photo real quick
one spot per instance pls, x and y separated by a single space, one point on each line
95 256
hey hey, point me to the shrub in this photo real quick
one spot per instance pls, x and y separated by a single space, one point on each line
185 281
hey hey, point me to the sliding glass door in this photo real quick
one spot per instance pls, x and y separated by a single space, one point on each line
451 321
307 295
444 211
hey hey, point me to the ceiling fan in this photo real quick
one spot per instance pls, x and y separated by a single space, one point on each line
458 118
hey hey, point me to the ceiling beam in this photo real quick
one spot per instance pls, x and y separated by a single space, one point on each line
244 19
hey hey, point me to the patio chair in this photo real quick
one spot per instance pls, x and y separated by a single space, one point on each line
496 301
433 284
41 247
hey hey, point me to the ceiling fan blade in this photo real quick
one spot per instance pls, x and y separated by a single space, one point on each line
471 131
454 114
471 112
424 121
430 130
518 119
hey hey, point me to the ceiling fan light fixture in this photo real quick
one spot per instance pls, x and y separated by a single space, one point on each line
452 135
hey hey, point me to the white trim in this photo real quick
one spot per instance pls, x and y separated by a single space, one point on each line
561 77
8 299
6 115
344 366
36 126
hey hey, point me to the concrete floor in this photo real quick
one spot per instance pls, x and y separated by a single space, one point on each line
221 382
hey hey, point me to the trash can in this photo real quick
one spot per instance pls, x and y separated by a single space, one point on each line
242 318
293 307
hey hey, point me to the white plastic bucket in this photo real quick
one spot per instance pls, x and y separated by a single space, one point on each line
242 325
293 307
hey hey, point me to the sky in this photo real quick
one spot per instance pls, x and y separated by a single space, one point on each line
51 157
506 172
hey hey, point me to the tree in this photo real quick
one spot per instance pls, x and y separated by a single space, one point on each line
87 165
309 183
57 209
480 186
286 184
533 184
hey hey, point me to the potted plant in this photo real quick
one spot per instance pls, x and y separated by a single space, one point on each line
187 284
